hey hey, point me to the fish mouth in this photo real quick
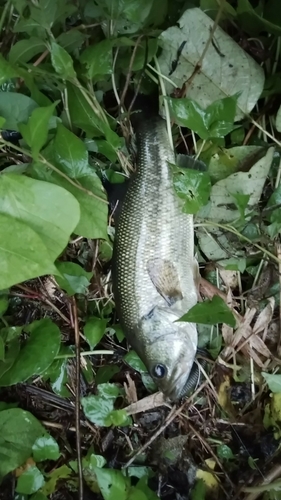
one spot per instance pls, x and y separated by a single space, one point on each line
181 385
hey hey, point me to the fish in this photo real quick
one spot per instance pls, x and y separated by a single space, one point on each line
155 274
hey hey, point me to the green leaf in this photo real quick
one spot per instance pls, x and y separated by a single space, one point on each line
210 312
75 278
224 452
2 350
22 253
199 490
112 484
273 381
71 153
105 373
38 496
35 132
135 362
30 481
18 431
72 40
254 23
4 304
45 448
193 187
98 58
93 211
81 113
98 408
24 50
94 330
214 122
57 474
118 418
37 353
15 108
6 71
62 62
37 205
58 373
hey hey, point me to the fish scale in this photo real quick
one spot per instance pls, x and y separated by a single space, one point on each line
153 234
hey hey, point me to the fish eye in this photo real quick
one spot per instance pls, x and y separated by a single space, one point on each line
159 371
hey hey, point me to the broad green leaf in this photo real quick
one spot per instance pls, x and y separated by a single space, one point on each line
30 481
273 381
199 490
146 50
93 210
71 153
94 330
98 58
35 131
2 350
19 430
45 448
210 312
98 408
75 278
226 69
105 373
15 108
112 484
49 210
62 62
12 351
193 187
72 40
254 23
135 362
37 353
214 122
23 254
24 50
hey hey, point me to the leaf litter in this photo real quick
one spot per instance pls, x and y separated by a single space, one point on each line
225 436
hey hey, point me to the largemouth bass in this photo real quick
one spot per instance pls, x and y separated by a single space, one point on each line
155 274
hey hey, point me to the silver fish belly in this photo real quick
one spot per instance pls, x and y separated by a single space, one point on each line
155 273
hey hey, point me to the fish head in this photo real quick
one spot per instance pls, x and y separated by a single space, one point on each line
168 350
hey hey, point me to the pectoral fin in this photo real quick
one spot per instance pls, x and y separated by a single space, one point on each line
164 276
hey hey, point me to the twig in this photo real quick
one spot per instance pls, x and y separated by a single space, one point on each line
267 484
77 400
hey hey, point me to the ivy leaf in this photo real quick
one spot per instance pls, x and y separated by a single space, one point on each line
98 408
193 187
216 121
210 312
75 278
45 448
62 61
94 330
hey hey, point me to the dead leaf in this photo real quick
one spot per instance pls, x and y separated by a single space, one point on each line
148 403
230 278
130 389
